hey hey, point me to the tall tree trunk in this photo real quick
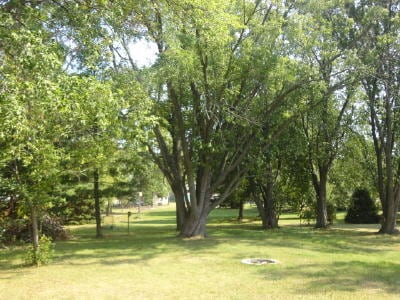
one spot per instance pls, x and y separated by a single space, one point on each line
389 219
391 206
97 212
320 190
180 206
35 235
271 220
261 211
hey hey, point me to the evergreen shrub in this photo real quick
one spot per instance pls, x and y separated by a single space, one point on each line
362 208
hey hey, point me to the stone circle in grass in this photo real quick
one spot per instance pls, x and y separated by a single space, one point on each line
259 261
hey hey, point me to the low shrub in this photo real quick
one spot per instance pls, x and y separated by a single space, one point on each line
43 255
307 214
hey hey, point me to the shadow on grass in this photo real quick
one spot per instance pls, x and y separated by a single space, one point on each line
161 213
155 235
144 242
354 240
347 276
136 221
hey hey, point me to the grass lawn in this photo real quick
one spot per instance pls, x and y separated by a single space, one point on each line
344 262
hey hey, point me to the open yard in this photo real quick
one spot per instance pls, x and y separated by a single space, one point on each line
344 262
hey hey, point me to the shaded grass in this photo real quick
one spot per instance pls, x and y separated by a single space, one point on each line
344 262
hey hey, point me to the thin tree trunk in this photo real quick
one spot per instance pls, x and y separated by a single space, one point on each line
35 235
180 206
389 213
259 203
96 193
241 206
261 211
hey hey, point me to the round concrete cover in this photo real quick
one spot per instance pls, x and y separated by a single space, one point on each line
259 261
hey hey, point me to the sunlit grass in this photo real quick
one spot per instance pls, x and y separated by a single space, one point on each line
344 262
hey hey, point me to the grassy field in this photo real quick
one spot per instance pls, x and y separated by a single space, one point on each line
344 262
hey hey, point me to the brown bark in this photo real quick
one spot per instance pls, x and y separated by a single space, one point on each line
271 220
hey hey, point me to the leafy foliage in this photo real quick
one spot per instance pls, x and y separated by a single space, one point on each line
40 256
282 91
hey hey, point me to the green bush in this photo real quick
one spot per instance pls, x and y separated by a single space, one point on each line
362 208
307 214
43 255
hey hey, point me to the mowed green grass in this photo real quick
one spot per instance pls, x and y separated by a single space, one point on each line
344 262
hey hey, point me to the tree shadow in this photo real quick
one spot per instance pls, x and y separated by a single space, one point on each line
357 240
118 247
348 276
147 241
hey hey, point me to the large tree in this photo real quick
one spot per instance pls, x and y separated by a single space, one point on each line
30 108
220 70
326 42
219 63
380 54
94 126
103 102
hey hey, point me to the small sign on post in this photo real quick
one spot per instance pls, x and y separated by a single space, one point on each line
129 215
